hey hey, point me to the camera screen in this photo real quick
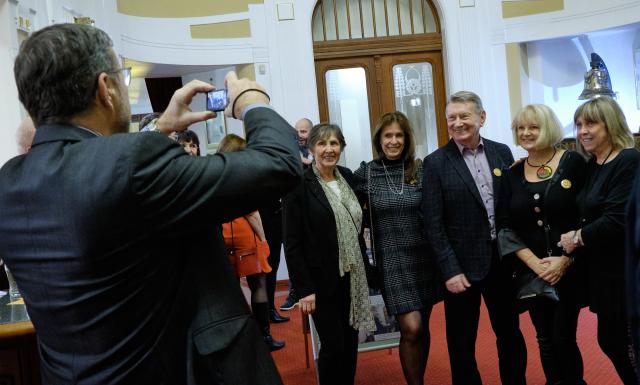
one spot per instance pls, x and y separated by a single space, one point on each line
217 100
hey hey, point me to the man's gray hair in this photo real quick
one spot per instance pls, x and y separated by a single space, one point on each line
467 97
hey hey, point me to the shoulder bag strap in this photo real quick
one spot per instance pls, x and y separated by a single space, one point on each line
233 246
370 209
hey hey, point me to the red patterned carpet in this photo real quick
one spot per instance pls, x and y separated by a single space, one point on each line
383 367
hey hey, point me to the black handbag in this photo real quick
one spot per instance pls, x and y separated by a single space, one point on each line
527 284
530 287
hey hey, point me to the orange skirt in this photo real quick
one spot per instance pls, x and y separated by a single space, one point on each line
240 239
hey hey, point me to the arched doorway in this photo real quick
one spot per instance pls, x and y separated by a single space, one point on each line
376 56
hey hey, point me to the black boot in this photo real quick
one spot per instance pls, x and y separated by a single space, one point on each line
261 313
276 318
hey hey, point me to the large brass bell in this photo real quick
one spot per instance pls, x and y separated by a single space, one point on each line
597 81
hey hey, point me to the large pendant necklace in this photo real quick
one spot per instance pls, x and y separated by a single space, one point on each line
544 171
392 187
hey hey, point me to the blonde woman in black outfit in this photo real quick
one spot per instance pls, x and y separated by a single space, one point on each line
538 205
603 134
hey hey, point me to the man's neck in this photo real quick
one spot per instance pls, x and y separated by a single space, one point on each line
92 122
471 144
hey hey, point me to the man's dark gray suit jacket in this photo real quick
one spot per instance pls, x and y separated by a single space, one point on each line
455 218
114 244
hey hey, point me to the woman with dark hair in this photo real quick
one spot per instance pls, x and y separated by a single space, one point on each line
246 233
537 205
602 133
392 189
322 237
190 142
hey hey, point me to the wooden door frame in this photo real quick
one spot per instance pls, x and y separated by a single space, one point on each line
376 76
368 63
340 52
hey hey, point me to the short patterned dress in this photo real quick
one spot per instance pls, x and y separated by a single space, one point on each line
406 268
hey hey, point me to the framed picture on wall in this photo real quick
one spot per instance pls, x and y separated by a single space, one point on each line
216 130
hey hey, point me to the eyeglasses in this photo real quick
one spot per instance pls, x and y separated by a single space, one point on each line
126 74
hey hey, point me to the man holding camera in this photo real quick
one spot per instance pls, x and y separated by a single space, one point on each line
109 235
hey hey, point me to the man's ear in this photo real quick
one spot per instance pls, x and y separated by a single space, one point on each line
105 91
483 117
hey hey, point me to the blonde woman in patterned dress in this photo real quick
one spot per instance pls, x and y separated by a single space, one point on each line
392 187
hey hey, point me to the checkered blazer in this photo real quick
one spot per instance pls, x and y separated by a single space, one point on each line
455 219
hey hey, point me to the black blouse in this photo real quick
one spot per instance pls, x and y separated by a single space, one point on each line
602 210
529 207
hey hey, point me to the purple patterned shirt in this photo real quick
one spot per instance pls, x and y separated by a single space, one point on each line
478 165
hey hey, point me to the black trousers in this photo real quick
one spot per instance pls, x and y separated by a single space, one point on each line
338 340
272 224
614 338
556 324
462 312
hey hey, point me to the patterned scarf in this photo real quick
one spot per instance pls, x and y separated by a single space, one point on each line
348 216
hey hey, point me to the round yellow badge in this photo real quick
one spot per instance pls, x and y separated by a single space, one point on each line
566 183
497 172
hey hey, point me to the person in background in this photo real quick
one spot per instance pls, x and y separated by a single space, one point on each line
189 141
148 123
538 204
460 193
122 276
303 127
391 186
322 234
602 133
271 214
24 135
243 233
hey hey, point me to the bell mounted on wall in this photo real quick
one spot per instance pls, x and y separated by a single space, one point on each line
597 81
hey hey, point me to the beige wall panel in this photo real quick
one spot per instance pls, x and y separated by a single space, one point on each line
184 8
246 71
513 77
226 30
530 7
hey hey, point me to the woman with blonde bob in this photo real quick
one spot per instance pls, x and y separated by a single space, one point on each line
602 133
537 206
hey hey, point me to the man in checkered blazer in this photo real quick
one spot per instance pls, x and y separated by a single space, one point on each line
460 192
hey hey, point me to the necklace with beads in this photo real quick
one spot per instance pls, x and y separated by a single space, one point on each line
544 171
392 186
